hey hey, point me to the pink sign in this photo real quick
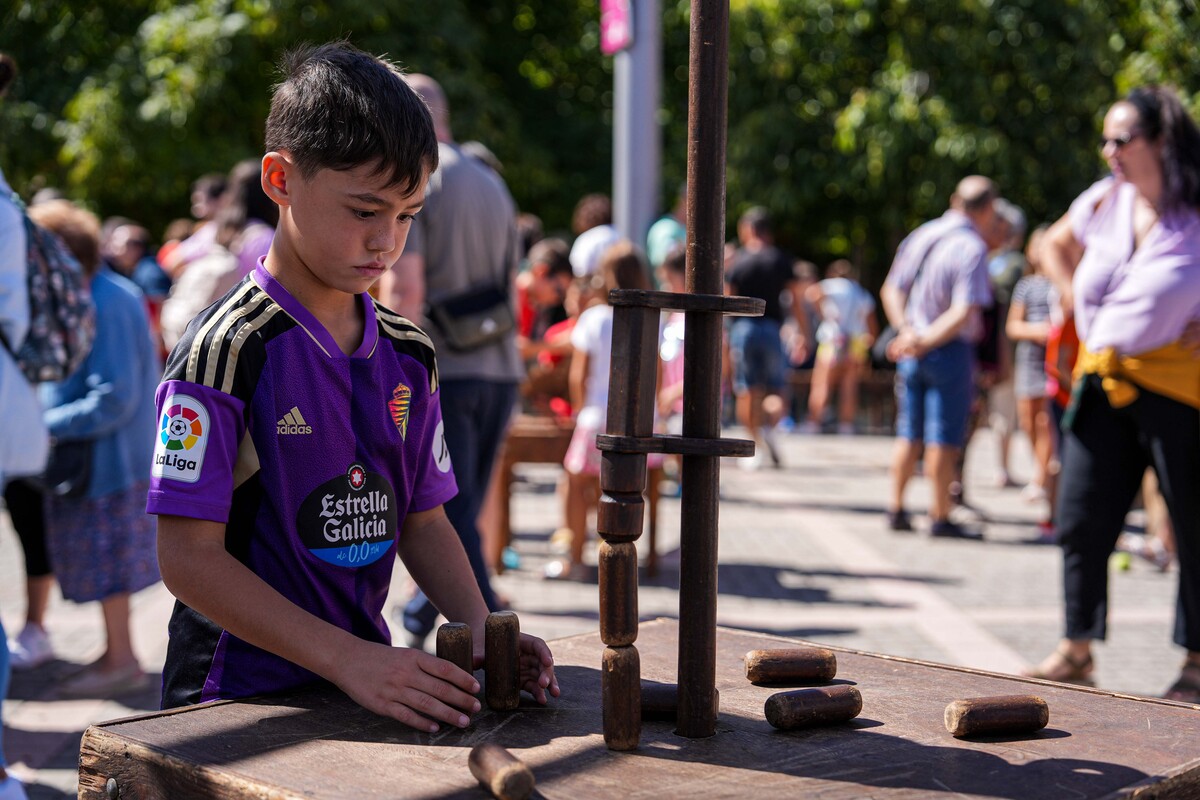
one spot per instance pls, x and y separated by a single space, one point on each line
616 25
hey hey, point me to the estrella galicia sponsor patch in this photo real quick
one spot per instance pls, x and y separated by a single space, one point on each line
441 452
183 431
350 520
398 405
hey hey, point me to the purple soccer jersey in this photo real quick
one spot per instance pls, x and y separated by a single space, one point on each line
312 459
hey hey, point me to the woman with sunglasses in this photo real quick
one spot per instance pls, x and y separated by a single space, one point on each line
1126 261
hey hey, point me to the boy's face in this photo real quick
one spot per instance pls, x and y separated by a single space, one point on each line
341 229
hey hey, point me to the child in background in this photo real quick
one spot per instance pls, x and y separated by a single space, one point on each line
301 446
621 267
1029 326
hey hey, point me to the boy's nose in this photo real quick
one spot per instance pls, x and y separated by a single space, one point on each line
383 241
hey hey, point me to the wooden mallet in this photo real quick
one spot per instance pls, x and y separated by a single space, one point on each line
505 776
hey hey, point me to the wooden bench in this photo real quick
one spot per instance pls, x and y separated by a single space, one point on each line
534 439
876 398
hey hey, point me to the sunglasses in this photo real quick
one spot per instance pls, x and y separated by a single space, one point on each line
1119 141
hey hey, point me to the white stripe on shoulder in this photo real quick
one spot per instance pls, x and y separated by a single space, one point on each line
193 364
235 344
222 330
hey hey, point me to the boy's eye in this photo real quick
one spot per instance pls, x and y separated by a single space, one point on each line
405 218
361 214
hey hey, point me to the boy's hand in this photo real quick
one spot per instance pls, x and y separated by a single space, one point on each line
537 666
411 686
537 669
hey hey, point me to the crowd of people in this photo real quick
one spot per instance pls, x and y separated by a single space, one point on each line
1084 334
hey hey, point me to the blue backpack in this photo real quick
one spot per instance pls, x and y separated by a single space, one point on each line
62 318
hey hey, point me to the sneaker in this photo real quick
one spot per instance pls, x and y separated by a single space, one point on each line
1046 533
845 429
12 789
30 649
810 427
95 682
945 529
899 521
752 464
1033 493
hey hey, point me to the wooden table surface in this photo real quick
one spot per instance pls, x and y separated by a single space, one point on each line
319 744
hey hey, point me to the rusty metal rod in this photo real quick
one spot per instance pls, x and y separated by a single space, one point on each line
708 86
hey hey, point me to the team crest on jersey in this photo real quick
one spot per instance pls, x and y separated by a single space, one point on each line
183 431
399 405
350 520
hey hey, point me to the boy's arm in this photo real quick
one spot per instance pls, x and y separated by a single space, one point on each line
408 685
434 556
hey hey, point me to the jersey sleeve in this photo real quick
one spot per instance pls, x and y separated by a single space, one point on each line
434 483
195 451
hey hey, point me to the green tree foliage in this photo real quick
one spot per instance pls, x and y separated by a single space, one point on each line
850 119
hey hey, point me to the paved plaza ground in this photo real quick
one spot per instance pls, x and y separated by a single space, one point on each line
803 553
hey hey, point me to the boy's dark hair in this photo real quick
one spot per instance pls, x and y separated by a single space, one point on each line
757 219
340 108
555 254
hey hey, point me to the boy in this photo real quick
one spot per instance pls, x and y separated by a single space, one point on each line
301 443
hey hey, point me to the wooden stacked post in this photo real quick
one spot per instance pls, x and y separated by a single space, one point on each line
631 400
629 435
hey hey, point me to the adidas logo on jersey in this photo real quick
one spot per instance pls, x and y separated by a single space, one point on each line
293 422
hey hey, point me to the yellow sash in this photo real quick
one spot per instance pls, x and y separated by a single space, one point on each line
1171 371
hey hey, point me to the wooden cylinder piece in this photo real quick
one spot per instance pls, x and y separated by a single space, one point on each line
502 660
660 701
809 708
803 665
622 698
997 716
618 593
454 644
505 775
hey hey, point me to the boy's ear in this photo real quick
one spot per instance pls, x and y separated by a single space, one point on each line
277 169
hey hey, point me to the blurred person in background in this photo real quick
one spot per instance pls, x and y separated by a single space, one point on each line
102 543
1125 260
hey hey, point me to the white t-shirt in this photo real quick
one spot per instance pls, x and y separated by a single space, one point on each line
844 310
592 334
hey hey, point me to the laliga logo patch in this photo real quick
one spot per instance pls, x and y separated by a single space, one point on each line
182 438
350 520
398 405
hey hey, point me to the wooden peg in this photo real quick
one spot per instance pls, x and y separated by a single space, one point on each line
1005 715
502 660
620 685
505 776
800 665
809 708
660 701
618 593
455 645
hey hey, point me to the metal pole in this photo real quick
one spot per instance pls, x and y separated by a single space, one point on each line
636 140
707 97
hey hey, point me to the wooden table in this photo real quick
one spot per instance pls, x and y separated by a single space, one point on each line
534 439
319 744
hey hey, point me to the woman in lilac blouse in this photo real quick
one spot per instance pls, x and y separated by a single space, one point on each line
1126 261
